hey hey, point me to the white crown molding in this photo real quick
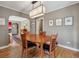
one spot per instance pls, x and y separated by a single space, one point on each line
69 4
74 2
12 9
70 48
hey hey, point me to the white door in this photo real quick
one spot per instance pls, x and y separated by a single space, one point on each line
39 25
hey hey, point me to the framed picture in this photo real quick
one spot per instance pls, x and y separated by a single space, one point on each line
14 28
68 20
58 22
50 22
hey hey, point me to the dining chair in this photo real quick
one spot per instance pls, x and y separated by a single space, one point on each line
50 46
42 38
26 45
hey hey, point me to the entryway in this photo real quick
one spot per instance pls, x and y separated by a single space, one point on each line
15 24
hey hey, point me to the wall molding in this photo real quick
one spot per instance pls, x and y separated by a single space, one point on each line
70 48
6 46
68 4
12 9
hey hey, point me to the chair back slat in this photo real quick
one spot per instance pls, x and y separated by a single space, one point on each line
42 36
42 39
53 41
23 37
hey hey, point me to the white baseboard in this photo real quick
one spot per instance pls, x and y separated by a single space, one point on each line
74 49
5 46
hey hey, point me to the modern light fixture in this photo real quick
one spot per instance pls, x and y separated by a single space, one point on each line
37 10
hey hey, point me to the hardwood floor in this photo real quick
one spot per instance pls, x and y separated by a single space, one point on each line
15 52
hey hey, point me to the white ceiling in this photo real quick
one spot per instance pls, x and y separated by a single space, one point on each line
21 6
55 5
26 6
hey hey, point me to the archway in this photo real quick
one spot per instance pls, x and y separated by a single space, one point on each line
15 24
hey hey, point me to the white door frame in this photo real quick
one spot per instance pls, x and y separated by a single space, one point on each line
38 23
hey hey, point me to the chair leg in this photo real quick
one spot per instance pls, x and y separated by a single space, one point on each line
22 52
41 54
26 52
54 53
49 54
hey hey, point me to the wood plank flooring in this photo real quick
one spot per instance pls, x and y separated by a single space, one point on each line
15 52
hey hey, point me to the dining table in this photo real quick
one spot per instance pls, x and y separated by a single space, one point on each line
37 39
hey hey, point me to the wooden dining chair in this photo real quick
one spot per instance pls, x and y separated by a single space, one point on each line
42 38
26 45
50 47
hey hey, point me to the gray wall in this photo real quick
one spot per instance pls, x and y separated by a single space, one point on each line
5 13
65 33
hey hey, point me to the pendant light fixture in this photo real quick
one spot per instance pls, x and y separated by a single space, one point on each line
37 9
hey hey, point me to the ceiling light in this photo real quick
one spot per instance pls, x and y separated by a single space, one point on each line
37 10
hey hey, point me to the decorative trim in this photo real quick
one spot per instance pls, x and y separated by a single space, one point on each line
13 9
67 5
70 48
5 46
47 12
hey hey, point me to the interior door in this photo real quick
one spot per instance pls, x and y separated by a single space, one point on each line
39 25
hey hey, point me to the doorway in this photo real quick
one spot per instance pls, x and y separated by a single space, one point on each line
39 25
15 25
15 29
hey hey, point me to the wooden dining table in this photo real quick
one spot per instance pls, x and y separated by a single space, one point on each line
38 41
36 38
